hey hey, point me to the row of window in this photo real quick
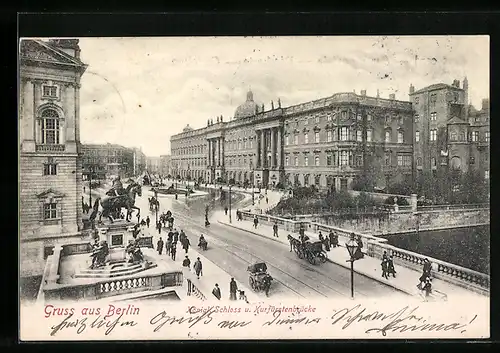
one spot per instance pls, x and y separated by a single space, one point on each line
344 158
474 136
342 134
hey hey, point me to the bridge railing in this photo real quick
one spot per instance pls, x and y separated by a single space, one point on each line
287 224
376 246
454 207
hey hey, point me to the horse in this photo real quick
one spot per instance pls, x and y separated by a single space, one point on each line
111 204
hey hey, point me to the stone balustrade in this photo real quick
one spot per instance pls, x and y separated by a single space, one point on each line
375 246
110 287
192 290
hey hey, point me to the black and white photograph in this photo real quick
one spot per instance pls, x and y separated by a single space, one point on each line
238 179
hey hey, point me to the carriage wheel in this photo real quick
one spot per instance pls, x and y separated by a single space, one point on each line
322 258
251 282
300 254
311 258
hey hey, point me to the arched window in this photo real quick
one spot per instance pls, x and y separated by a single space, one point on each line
49 127
387 136
400 137
453 136
316 161
419 161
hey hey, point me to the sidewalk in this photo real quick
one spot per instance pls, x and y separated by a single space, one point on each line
211 273
406 279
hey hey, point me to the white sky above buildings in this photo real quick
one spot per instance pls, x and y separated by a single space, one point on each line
140 91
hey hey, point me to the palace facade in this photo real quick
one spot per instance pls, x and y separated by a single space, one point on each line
50 181
327 142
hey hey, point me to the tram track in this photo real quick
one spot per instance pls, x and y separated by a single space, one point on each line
278 268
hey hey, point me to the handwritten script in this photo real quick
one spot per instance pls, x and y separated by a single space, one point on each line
406 319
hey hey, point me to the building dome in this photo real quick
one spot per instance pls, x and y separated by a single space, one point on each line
249 108
187 128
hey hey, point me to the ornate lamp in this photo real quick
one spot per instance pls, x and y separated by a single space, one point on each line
352 246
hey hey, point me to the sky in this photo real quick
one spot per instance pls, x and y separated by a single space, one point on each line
140 91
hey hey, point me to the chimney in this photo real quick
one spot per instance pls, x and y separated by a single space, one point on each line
412 89
363 92
485 104
392 96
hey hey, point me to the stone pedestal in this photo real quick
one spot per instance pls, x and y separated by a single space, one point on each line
413 202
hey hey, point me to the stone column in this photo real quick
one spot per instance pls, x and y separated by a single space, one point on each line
209 149
273 148
218 152
69 111
37 126
29 110
257 148
222 151
279 147
264 148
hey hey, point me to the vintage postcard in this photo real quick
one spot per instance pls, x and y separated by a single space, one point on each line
195 188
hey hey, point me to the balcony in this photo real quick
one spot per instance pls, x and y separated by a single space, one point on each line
50 148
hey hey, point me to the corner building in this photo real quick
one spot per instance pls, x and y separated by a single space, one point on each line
450 134
50 182
327 142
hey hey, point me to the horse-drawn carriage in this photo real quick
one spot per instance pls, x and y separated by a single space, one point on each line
313 252
259 279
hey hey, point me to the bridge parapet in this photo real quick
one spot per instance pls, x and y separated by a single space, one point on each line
375 247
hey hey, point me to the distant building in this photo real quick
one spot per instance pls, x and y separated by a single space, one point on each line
104 160
50 179
139 161
153 165
327 142
165 165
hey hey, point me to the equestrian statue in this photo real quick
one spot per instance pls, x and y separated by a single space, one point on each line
118 198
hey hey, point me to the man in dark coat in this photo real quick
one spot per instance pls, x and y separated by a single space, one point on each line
384 268
148 221
216 291
173 251
275 230
198 268
255 222
176 236
233 288
390 267
160 246
185 244
186 262
168 246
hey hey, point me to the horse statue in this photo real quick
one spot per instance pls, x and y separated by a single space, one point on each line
111 204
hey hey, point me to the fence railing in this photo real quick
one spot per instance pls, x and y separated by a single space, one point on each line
453 207
376 246
192 290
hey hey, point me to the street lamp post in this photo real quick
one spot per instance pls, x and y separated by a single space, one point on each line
352 246
253 183
230 221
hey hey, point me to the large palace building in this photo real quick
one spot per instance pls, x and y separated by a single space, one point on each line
331 141
50 182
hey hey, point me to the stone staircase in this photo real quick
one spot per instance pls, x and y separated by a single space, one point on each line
117 269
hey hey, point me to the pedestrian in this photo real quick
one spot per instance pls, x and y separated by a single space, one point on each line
225 210
390 267
216 292
186 244
148 221
267 200
186 262
275 230
173 251
384 268
255 222
176 236
158 225
160 246
321 237
198 268
233 288
326 242
427 288
426 273
168 246
138 218
182 235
